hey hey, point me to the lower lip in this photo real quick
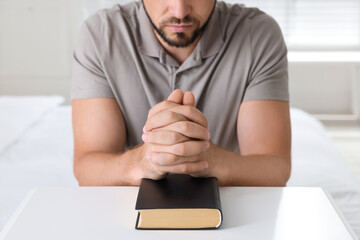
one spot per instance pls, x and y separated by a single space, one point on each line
179 28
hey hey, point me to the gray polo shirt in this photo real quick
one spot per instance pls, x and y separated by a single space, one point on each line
240 57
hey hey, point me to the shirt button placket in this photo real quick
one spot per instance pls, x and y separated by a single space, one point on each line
177 77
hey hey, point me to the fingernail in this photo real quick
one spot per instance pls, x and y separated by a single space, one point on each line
209 136
148 157
144 137
207 145
206 166
144 129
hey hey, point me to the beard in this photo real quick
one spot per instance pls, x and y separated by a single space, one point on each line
181 39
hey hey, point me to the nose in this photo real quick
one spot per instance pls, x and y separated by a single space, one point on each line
180 8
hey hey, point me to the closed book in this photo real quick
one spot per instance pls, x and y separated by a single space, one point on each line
179 202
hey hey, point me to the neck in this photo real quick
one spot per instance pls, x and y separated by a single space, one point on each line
179 54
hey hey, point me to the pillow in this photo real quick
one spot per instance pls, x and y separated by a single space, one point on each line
19 113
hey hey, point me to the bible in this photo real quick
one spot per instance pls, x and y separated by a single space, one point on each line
179 202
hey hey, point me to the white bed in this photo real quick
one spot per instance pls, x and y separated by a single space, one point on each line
36 148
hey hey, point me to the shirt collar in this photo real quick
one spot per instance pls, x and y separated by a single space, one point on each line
208 45
211 40
148 44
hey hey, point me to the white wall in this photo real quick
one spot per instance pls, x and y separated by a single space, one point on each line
328 88
36 42
37 38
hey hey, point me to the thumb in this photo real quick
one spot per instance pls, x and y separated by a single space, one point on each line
176 96
189 99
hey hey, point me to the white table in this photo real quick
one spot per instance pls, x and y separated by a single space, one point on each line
108 213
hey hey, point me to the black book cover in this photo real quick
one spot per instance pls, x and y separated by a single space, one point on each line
178 191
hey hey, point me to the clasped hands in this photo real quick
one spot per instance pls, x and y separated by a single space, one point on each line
176 139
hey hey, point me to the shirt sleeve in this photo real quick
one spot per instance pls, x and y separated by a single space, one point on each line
269 72
88 78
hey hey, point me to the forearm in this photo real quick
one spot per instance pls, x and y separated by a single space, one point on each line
259 170
108 169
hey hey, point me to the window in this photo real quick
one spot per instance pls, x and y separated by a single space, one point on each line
315 24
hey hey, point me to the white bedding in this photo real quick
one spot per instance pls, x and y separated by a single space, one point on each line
41 155
19 113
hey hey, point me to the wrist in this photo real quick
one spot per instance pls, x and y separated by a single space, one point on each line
211 159
135 172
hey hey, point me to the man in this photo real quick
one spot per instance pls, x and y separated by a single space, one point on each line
231 121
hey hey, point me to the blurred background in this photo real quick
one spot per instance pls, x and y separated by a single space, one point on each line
37 38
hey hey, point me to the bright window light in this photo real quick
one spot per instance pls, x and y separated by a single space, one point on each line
315 24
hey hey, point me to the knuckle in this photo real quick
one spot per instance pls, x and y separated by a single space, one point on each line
175 137
206 122
166 105
200 166
188 110
151 148
180 149
149 137
154 159
184 168
185 126
172 159
151 112
158 108
171 115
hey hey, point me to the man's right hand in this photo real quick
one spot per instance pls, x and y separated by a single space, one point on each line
175 136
